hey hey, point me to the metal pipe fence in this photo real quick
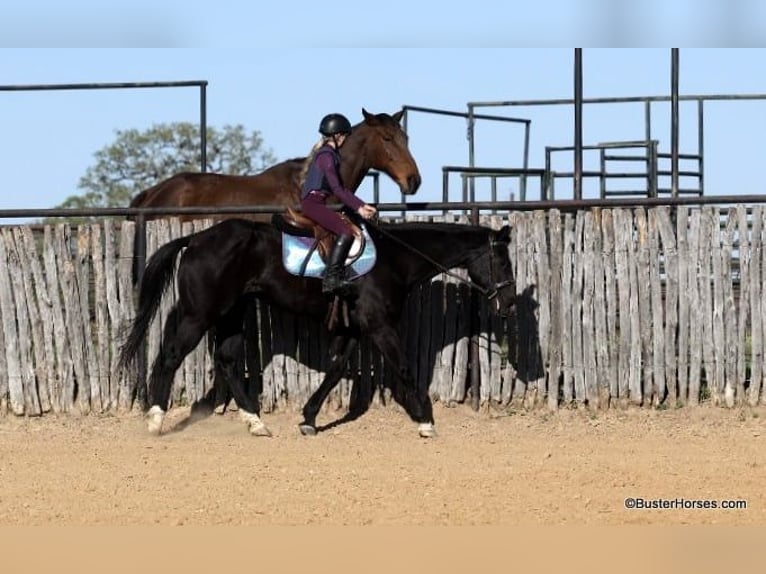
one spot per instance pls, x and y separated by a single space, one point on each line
201 84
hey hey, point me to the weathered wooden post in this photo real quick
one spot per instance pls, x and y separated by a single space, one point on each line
475 330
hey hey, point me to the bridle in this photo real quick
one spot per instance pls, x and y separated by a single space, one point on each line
490 293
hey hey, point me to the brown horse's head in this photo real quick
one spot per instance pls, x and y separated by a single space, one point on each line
383 143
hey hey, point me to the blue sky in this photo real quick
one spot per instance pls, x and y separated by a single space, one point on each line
394 23
49 138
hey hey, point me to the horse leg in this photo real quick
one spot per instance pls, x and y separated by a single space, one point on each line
361 397
230 367
180 337
252 352
333 375
228 325
240 320
221 392
416 402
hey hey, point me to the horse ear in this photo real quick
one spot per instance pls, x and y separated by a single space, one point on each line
504 234
368 117
398 116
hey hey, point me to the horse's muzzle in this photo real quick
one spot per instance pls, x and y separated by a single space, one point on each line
506 311
412 185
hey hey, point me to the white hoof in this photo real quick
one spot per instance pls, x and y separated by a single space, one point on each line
260 430
254 423
426 430
154 419
307 430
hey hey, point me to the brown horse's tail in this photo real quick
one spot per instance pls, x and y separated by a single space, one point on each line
160 272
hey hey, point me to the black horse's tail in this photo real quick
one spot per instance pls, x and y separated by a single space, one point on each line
160 272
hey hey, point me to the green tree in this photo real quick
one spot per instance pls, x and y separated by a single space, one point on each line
139 159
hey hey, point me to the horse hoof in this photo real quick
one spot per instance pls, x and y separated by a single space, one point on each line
254 424
307 429
154 420
426 430
260 430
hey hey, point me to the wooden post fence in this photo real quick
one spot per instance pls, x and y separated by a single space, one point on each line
632 306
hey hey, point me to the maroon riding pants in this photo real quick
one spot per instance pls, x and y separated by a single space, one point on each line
314 207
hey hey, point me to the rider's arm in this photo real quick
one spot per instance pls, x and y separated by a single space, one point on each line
326 164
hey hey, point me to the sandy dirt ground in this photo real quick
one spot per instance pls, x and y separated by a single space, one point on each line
485 468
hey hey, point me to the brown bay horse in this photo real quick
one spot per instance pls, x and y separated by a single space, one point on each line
378 142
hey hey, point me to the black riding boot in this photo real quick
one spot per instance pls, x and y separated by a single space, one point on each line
334 275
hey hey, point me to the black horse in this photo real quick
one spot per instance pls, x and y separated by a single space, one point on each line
223 264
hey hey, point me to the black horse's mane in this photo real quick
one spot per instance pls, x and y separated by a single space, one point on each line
380 228
446 229
445 226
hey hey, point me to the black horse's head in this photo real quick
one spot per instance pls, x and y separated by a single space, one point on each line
492 270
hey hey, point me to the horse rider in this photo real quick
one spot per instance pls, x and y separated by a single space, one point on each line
321 179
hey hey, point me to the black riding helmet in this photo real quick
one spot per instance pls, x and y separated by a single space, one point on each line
333 124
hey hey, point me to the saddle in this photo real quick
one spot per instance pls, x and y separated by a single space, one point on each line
306 247
293 222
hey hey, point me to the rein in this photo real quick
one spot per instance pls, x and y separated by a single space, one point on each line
488 293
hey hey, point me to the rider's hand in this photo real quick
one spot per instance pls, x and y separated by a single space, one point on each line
367 211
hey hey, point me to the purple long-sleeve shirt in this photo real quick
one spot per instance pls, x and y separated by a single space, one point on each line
325 163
